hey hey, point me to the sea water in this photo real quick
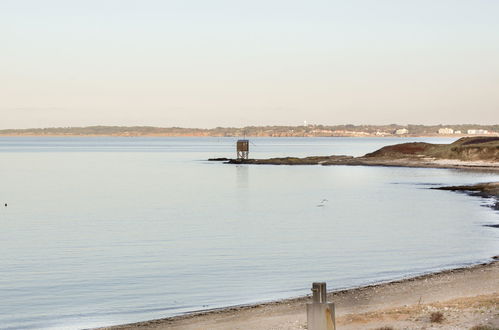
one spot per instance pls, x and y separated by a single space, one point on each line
103 231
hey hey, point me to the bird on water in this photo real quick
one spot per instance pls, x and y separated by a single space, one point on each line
322 203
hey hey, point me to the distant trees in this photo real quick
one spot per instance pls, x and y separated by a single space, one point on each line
309 130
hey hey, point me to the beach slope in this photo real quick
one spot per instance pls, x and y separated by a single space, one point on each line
454 299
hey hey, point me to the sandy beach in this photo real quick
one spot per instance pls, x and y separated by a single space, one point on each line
456 299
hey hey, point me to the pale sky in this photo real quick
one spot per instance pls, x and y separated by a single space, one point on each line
208 63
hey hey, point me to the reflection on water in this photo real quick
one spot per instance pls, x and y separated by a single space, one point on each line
242 176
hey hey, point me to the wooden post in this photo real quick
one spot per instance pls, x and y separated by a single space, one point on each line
320 313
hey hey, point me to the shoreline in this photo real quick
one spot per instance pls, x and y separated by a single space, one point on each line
484 190
354 307
399 293
363 161
367 306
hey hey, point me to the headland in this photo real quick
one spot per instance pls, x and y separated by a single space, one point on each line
466 153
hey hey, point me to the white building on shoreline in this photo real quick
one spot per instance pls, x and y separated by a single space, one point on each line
477 131
445 130
402 131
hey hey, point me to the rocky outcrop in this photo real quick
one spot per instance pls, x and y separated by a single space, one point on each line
464 149
314 160
490 188
472 153
486 190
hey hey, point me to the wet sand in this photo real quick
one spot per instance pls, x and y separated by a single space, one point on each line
465 297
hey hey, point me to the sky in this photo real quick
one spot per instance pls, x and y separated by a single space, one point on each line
198 63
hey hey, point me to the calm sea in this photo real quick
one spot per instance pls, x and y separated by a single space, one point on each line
102 231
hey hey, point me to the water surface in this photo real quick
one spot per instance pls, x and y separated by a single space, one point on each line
102 231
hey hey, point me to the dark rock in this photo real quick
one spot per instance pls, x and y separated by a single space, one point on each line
218 159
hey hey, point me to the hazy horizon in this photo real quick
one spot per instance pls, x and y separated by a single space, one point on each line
223 63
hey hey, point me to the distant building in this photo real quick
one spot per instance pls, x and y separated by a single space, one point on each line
457 132
446 131
402 131
477 131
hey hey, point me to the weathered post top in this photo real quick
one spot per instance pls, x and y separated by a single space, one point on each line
242 147
320 313
319 292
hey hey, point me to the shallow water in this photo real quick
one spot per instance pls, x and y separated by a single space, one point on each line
102 231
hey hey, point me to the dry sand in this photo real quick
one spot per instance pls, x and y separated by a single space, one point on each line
465 297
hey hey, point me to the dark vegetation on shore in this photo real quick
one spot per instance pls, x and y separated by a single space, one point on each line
308 130
466 149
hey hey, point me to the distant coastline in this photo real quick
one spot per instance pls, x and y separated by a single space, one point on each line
392 130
